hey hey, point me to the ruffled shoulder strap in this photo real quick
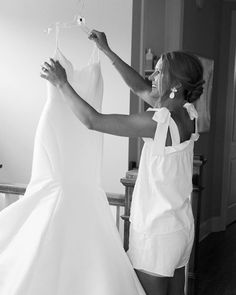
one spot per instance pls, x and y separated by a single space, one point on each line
193 114
162 117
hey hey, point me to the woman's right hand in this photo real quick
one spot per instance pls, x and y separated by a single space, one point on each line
100 39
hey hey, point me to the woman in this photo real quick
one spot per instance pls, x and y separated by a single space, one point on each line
162 227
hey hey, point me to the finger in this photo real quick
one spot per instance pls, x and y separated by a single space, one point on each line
44 69
94 34
42 75
44 72
58 64
47 66
53 63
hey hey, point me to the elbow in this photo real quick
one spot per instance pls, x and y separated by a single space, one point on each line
91 121
89 125
88 122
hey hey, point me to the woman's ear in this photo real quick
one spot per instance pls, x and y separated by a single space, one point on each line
178 85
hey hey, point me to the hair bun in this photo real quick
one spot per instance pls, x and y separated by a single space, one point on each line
196 91
199 83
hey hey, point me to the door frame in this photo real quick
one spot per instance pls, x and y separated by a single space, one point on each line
173 23
228 124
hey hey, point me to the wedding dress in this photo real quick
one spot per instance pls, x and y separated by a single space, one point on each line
61 238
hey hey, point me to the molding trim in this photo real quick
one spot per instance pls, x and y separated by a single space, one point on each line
141 45
213 224
141 66
231 213
226 176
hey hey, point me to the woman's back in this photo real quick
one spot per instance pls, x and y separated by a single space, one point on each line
185 125
164 182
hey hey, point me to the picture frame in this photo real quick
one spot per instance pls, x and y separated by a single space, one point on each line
203 104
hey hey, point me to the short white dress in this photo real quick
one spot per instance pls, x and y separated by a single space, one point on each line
162 224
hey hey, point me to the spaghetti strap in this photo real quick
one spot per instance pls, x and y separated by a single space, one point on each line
95 56
57 50
163 117
57 35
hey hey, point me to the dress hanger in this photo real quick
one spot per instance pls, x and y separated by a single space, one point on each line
78 21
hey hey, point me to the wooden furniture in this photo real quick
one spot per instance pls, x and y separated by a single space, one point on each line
129 182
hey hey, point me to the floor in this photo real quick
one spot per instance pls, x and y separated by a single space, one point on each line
217 263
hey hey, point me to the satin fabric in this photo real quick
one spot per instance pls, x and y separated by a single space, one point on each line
60 238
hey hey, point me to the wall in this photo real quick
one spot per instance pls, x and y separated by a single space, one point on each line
25 46
201 36
148 31
205 32
224 119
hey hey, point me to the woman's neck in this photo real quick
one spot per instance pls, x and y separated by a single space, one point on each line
172 104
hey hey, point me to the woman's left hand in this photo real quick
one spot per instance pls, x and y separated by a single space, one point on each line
54 73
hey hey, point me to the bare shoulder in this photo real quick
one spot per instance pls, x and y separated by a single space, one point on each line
185 125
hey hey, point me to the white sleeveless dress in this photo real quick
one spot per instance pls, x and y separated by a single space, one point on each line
61 238
162 225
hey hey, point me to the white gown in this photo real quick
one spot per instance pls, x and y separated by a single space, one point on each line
60 238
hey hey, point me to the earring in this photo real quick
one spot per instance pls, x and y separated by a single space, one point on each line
172 94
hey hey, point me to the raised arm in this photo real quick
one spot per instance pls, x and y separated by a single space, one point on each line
132 78
137 125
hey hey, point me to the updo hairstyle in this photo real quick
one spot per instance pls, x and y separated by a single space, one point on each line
187 69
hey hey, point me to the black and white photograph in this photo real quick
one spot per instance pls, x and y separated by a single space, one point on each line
118 147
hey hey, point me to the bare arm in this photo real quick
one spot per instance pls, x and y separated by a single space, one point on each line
136 125
132 78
